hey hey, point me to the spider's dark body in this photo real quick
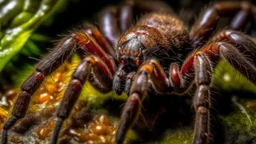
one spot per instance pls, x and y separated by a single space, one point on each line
151 54
150 38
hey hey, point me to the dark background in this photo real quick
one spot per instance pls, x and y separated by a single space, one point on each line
79 11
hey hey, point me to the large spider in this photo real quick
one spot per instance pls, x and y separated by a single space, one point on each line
152 54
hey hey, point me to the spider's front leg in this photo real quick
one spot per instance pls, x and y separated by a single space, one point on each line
152 70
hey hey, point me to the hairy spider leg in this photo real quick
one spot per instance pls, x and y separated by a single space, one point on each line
79 42
231 52
128 82
207 22
237 48
79 76
100 39
227 44
125 15
47 65
99 64
149 69
245 44
108 24
203 78
90 46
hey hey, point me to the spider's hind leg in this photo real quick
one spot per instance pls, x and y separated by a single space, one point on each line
206 24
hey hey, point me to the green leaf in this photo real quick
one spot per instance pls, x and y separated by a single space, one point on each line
18 20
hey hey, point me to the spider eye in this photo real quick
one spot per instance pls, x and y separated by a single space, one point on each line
137 62
121 52
139 54
117 58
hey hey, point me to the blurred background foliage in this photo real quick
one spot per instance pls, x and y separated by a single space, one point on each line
18 21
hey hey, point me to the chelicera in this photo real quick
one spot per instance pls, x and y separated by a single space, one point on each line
158 53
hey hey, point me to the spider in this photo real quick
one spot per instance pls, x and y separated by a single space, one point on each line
158 53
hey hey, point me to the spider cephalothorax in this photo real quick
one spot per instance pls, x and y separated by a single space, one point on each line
152 54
